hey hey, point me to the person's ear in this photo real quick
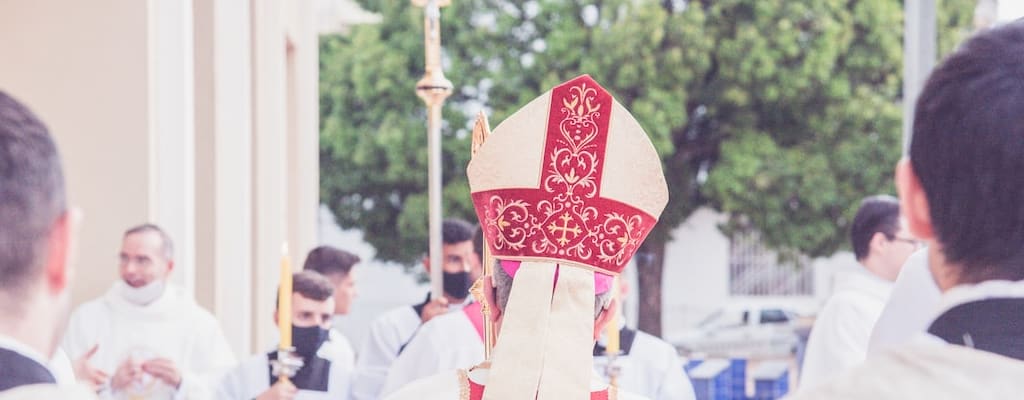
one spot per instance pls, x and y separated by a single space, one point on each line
59 271
426 264
605 317
878 242
913 201
276 322
490 298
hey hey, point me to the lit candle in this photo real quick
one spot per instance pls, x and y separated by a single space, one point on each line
284 301
612 333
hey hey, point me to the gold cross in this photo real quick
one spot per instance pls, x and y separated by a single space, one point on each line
564 228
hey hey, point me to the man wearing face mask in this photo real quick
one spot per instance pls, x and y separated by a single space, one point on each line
393 330
150 338
321 376
446 342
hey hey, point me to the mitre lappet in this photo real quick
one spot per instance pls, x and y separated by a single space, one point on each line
566 190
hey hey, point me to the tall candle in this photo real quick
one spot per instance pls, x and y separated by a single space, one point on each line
284 301
612 333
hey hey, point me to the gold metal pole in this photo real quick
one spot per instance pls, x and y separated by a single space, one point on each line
481 130
433 89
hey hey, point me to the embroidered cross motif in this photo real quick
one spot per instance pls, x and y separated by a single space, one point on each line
565 229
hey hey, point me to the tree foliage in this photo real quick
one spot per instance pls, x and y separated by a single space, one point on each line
783 114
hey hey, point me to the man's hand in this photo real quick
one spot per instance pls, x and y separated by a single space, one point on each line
126 373
282 390
164 370
92 377
434 308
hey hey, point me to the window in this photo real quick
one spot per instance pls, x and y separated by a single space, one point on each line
754 270
774 316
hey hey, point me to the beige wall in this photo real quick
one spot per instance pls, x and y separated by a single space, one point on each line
191 114
82 66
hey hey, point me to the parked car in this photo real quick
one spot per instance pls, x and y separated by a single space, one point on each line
748 331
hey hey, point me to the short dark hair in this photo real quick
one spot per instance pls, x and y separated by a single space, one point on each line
165 239
967 150
328 260
311 285
454 231
32 196
877 214
478 241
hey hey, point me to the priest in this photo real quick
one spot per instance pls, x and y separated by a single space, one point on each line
147 335
562 214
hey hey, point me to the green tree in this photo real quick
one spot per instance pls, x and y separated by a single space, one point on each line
781 113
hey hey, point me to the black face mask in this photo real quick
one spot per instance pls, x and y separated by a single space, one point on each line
456 284
307 340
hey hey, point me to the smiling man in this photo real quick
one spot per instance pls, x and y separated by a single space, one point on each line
147 336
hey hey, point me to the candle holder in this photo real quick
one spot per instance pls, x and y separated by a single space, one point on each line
612 370
286 365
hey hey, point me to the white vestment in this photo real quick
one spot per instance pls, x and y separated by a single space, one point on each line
444 343
252 377
651 369
71 391
173 327
925 368
451 385
928 368
911 307
388 333
60 366
339 350
839 338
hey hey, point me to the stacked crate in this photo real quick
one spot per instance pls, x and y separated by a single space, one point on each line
712 380
771 380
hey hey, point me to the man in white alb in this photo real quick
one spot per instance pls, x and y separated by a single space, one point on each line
148 336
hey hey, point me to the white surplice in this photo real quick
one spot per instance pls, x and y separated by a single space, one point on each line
652 369
173 326
839 338
911 307
929 368
444 343
452 385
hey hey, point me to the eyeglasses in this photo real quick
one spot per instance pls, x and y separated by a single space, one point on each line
913 242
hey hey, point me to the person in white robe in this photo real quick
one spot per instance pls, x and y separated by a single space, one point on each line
338 266
839 338
549 296
444 343
648 366
912 305
392 331
961 192
321 376
149 337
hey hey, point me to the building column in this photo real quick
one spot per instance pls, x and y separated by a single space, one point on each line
172 130
224 163
303 74
269 163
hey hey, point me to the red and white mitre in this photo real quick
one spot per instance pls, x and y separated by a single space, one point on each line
568 186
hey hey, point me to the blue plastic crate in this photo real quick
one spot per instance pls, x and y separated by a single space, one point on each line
738 371
712 380
771 380
691 364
